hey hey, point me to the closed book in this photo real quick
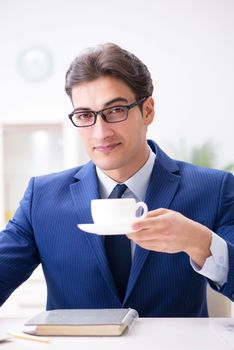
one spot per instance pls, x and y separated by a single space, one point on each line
83 322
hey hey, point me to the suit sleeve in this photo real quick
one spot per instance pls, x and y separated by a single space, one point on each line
225 229
18 252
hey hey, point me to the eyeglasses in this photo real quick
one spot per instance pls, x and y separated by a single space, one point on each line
115 114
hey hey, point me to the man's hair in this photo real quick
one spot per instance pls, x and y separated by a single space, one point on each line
110 60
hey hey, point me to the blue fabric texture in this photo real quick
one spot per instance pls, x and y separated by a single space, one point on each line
44 230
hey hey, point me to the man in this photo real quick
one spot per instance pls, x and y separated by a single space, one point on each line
186 239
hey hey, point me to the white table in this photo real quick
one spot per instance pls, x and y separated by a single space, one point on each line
147 334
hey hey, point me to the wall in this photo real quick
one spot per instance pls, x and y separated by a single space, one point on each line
187 44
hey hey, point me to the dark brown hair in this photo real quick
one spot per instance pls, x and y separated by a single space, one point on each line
110 60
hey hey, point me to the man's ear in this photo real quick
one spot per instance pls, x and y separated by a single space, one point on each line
148 111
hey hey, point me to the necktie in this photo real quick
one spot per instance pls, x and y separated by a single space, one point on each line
118 251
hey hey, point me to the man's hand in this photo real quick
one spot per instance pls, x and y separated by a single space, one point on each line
168 231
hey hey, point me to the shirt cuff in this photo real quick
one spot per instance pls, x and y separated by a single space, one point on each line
216 266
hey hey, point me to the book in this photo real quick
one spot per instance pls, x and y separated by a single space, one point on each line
83 322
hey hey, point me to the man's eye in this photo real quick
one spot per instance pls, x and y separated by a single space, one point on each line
83 116
117 110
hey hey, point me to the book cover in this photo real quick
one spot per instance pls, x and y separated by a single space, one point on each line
86 322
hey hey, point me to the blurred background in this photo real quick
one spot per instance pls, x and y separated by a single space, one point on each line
188 45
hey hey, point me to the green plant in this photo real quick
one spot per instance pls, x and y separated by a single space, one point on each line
203 155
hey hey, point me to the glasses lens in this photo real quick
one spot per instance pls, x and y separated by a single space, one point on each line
115 114
81 118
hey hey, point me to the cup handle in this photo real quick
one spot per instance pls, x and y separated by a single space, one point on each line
144 207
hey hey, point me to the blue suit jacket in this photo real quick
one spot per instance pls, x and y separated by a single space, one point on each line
44 230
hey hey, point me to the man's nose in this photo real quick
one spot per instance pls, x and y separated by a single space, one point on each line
102 129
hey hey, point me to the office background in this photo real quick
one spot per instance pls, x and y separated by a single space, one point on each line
188 46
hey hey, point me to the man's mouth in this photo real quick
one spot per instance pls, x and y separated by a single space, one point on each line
106 148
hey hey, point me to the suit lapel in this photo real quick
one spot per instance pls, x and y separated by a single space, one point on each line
161 191
162 188
83 191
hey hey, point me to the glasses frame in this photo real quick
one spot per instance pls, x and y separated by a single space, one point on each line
102 111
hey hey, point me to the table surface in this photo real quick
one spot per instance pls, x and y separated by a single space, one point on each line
147 333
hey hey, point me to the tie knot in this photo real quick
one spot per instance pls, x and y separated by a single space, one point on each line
118 191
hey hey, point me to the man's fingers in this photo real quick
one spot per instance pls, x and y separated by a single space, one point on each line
157 212
149 220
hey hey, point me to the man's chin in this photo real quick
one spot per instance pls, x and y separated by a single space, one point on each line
106 165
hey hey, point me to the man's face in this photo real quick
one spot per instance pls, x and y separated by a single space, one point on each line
119 149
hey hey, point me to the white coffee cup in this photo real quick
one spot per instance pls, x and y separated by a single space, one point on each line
116 210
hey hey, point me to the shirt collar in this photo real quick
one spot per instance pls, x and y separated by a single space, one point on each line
137 184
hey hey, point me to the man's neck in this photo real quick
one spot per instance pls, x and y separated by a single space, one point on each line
122 174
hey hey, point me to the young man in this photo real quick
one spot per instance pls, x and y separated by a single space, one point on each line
185 241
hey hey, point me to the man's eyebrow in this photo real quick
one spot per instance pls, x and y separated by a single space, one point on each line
115 100
106 104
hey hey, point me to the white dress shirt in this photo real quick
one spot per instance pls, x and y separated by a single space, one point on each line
216 266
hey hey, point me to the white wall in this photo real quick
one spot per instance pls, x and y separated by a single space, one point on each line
187 44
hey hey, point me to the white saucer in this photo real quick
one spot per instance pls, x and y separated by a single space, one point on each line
107 229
